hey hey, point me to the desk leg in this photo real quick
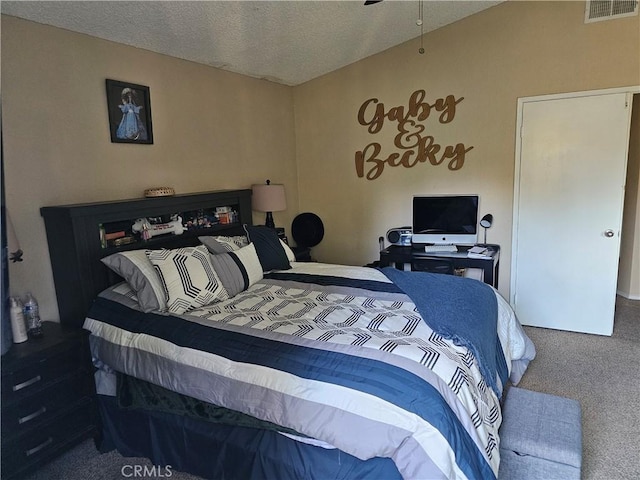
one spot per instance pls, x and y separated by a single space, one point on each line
491 274
488 274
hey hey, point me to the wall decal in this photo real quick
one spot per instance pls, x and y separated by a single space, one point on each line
416 147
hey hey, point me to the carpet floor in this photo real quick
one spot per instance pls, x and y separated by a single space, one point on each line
602 374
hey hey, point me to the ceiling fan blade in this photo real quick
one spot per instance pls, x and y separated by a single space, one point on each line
371 2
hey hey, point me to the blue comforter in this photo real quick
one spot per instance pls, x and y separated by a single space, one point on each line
462 310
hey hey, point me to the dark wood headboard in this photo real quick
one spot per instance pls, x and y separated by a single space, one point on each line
76 245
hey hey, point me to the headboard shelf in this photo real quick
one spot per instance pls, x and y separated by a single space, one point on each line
76 244
166 240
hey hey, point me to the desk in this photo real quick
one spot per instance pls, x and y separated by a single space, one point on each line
401 255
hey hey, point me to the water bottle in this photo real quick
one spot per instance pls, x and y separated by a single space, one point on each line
32 316
18 327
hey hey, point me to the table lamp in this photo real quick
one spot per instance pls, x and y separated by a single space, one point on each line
485 223
268 198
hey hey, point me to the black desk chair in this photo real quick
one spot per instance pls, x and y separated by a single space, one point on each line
307 230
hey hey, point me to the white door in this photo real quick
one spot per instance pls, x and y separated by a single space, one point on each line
568 211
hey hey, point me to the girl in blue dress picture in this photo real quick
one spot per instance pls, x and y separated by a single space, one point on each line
131 126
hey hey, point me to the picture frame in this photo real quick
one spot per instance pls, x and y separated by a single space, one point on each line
129 108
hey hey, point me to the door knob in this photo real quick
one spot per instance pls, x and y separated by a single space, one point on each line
608 233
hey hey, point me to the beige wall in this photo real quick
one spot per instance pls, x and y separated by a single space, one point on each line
629 271
516 49
212 129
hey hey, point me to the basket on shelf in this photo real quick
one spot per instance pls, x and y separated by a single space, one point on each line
159 192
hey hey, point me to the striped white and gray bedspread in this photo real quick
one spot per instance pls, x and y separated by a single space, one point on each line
336 353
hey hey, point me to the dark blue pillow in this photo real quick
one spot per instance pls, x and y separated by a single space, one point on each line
268 247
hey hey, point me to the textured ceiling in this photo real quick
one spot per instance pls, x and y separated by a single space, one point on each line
288 42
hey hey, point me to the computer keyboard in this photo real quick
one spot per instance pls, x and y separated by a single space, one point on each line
440 248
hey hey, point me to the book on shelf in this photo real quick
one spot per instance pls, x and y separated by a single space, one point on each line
114 235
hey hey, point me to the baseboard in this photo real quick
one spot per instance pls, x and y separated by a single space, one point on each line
628 296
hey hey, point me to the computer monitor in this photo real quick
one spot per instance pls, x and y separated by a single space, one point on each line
445 219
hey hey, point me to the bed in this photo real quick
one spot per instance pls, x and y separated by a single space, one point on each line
282 369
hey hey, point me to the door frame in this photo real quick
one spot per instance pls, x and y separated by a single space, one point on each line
522 101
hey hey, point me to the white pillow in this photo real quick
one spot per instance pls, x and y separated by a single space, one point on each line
188 276
287 249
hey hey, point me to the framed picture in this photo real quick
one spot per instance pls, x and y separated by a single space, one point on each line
129 112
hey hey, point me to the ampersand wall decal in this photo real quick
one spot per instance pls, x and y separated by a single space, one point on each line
415 146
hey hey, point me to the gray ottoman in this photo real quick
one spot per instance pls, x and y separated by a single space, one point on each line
540 437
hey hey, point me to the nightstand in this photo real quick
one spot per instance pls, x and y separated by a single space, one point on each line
48 398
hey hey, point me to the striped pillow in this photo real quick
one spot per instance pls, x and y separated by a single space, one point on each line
188 277
238 270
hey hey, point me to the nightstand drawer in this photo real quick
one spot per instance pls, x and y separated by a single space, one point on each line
48 440
41 407
30 378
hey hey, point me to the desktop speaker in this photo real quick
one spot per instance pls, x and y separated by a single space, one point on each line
400 236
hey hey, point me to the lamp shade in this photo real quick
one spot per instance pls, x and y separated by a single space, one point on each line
486 221
268 197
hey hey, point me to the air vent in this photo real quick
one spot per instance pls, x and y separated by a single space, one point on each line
598 10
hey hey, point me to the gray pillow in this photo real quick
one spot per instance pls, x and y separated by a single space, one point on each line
136 269
238 270
222 244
